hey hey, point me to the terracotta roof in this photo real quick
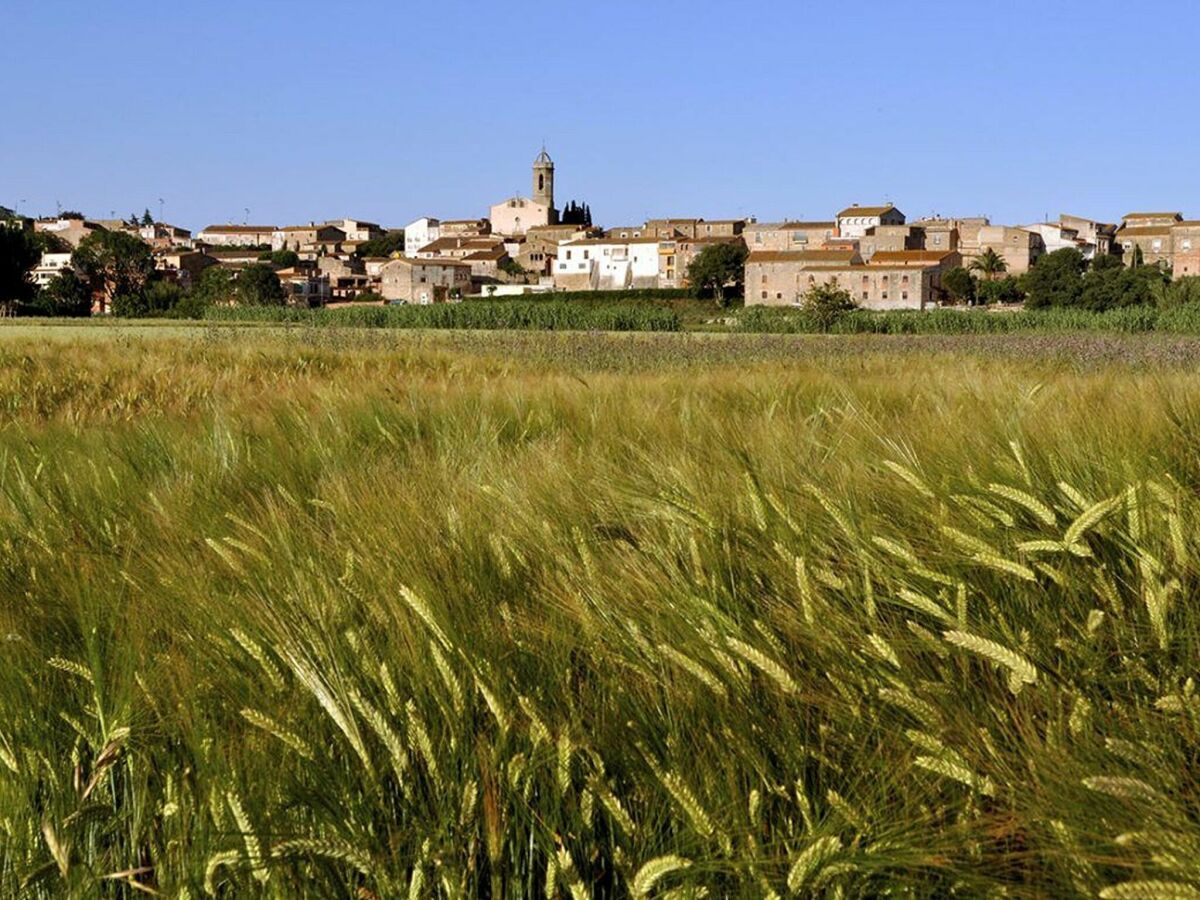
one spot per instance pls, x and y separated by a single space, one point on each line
484 255
436 261
866 210
884 257
789 226
1153 215
803 257
1144 230
1187 223
239 229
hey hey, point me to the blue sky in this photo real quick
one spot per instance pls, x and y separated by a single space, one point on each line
387 111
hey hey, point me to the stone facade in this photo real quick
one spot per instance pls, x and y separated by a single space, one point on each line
788 235
692 228
893 279
237 235
1018 247
891 238
73 231
424 280
306 237
1152 233
516 215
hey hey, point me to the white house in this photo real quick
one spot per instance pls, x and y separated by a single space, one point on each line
51 266
607 264
357 229
420 233
854 221
236 235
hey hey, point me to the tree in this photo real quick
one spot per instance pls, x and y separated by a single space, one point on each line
1005 290
989 263
384 245
718 268
1055 280
511 267
18 255
147 219
116 264
1109 288
258 285
1107 261
826 303
1180 292
214 286
66 295
960 285
285 259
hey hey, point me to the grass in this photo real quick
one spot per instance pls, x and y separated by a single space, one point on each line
362 614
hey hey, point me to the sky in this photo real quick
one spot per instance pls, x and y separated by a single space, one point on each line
288 112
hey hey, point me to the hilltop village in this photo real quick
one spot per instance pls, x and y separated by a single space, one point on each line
527 244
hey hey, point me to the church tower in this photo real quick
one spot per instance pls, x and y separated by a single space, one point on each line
543 179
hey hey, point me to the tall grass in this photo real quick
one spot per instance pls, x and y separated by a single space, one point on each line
545 315
283 621
1184 319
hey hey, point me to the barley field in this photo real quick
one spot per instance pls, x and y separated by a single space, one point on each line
337 614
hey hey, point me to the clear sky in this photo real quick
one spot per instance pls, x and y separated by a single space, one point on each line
387 111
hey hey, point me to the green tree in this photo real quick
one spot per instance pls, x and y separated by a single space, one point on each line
959 284
1055 280
384 245
285 259
989 263
1106 261
214 286
147 219
719 269
1004 290
1109 288
511 267
116 264
258 285
826 303
18 255
66 295
1180 292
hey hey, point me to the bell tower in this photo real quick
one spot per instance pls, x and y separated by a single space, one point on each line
543 179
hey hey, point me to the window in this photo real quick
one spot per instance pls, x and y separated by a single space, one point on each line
1128 245
883 296
764 278
568 254
1156 245
764 295
778 296
904 279
937 239
864 293
758 237
587 254
1187 244
904 295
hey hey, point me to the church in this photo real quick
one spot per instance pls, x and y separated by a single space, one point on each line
516 215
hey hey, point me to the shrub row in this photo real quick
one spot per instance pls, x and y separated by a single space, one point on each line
536 315
1129 319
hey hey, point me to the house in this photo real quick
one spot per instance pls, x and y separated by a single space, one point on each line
536 255
1185 242
235 258
465 227
1151 233
624 231
347 277
1090 238
1018 247
485 263
692 228
356 230
892 279
237 235
161 236
458 247
303 287
424 280
50 267
855 221
72 230
310 238
604 264
788 235
420 232
183 266
888 238
674 257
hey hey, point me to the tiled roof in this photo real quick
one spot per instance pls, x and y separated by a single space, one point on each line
1144 230
1153 215
865 210
789 226
884 257
583 242
239 229
803 257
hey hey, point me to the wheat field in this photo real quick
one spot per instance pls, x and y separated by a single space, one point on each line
326 616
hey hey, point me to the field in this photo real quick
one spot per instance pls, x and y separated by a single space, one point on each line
341 613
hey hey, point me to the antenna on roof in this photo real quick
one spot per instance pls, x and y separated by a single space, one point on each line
246 210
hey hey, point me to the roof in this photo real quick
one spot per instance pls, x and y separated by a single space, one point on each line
239 229
436 261
1144 230
485 255
866 210
905 257
543 159
309 227
803 257
1153 215
463 221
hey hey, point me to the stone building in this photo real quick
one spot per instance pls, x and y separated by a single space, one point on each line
72 231
539 250
1150 232
424 281
788 235
237 235
893 279
692 228
674 257
1185 248
516 215
1018 247
306 237
183 266
890 238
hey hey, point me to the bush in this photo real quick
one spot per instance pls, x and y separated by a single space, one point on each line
825 304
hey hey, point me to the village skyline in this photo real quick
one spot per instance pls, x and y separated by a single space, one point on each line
661 111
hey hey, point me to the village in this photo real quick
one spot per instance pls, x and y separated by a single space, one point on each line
528 245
